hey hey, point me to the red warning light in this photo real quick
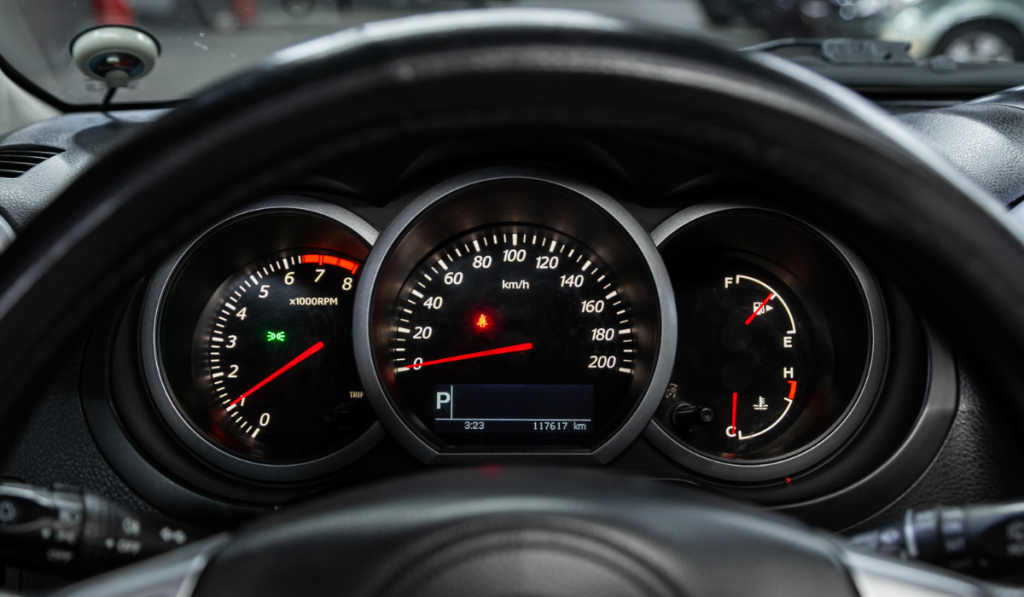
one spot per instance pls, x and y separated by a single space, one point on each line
482 323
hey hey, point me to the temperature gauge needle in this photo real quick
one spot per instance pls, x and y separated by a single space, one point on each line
734 400
472 355
760 308
302 357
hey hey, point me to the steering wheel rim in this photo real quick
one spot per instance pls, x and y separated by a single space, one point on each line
950 244
491 531
459 531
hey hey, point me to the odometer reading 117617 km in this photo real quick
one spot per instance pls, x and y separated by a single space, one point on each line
513 335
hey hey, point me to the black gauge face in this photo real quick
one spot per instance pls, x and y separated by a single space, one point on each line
752 379
514 335
272 358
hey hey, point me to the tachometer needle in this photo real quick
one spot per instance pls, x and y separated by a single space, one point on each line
472 355
760 308
302 357
734 400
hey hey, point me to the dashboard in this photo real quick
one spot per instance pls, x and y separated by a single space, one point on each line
506 311
305 310
518 299
513 314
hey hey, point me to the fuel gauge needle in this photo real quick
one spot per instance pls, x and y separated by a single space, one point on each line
760 308
302 357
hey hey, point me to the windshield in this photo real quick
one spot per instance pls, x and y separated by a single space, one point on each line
203 41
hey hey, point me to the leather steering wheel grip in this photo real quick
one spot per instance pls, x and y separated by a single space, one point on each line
504 532
500 532
951 246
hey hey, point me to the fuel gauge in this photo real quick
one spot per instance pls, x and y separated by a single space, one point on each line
765 414
782 344
756 360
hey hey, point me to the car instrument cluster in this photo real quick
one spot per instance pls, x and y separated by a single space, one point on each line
513 315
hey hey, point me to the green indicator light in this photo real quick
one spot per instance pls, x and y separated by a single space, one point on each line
275 336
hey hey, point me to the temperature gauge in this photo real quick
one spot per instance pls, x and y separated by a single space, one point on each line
761 332
781 344
752 379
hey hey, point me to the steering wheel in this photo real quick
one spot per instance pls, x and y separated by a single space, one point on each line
501 531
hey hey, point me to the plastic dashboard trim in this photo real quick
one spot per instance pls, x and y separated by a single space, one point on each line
887 483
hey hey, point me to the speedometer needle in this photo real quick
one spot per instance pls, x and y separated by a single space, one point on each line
302 357
472 355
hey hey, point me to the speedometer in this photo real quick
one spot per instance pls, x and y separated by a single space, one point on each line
513 334
514 313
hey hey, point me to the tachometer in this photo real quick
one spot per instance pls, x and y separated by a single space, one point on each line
513 334
273 356
246 339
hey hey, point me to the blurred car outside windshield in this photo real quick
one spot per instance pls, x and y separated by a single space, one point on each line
203 41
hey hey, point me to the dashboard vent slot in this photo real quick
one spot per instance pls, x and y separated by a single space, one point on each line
16 160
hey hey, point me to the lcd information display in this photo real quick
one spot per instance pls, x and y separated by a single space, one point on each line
513 408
